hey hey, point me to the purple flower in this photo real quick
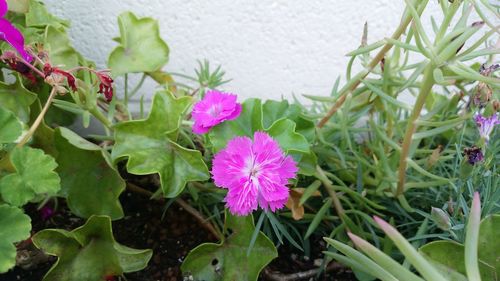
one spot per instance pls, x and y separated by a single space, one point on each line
474 155
486 125
12 35
255 173
215 108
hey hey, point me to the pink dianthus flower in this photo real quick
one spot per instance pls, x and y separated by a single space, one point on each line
255 173
215 108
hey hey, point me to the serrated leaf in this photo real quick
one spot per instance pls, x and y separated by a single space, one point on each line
89 252
90 185
34 175
15 226
141 47
10 127
228 260
151 148
15 98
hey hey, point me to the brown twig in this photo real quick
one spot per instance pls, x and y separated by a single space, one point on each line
276 276
197 215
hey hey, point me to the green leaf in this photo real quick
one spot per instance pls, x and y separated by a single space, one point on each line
15 98
283 131
249 121
228 260
141 47
451 255
61 52
15 226
150 146
89 252
90 185
275 110
34 175
38 16
10 126
18 6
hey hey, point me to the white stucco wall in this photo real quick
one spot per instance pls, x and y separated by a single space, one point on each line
270 48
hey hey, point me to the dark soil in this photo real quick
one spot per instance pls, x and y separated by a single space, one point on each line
171 239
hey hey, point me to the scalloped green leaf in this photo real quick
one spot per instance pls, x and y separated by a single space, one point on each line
15 98
90 185
141 48
38 16
228 260
15 226
18 6
275 110
150 146
10 127
57 43
249 121
89 252
34 175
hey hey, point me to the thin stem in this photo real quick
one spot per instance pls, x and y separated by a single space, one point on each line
30 66
39 119
331 191
99 116
125 99
425 89
138 86
356 80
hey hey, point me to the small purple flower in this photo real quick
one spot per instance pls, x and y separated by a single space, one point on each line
215 108
46 212
12 35
255 174
474 155
486 125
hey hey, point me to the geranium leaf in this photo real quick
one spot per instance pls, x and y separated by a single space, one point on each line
90 185
15 98
57 43
450 255
150 146
18 6
15 226
249 121
228 260
275 110
141 47
10 126
34 175
38 16
89 252
283 131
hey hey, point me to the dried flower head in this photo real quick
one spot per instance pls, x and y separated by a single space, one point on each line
215 108
474 155
105 84
48 70
255 173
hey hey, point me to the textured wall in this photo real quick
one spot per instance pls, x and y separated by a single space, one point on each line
270 48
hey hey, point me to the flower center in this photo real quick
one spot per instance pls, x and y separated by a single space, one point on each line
215 110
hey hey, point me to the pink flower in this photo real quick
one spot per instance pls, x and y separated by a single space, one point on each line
255 173
12 35
215 108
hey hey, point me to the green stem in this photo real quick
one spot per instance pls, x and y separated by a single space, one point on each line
138 86
425 89
39 119
356 80
331 191
99 116
125 99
